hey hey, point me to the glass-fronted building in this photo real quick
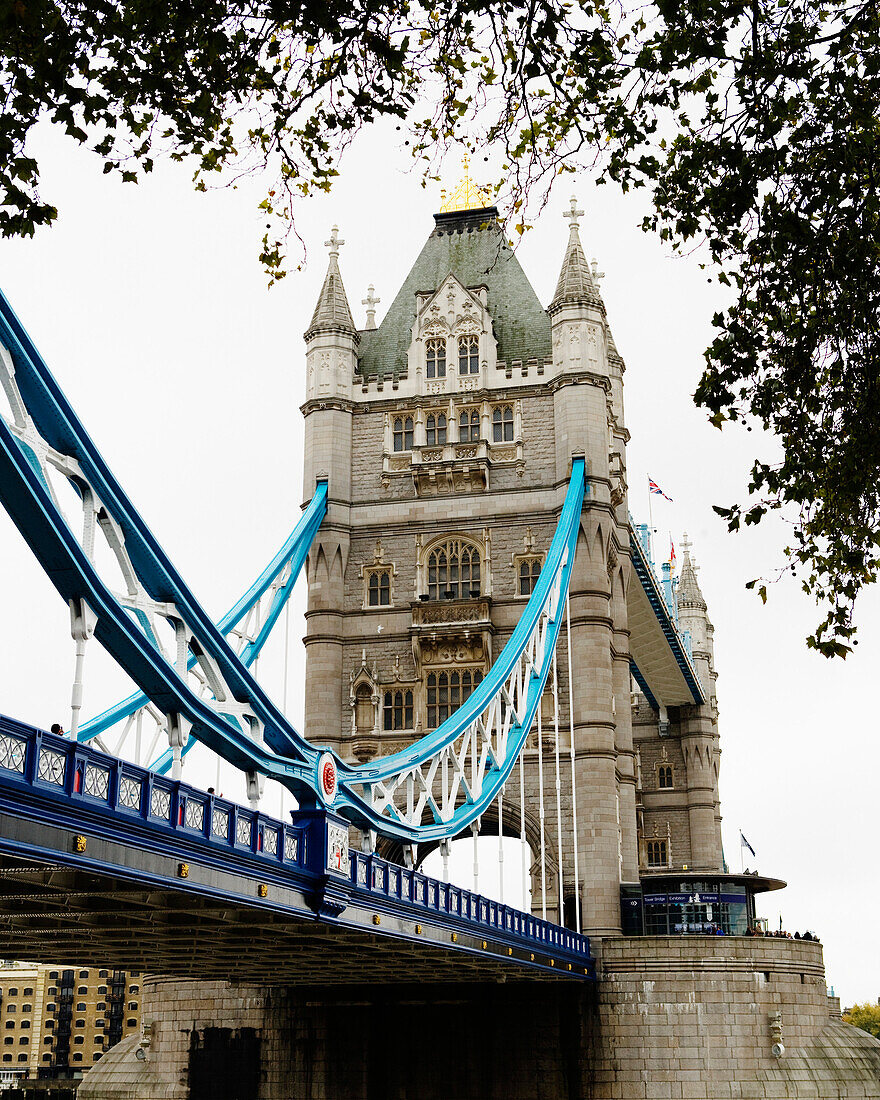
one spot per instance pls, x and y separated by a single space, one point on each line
693 903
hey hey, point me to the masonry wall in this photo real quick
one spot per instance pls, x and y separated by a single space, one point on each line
670 1018
690 1017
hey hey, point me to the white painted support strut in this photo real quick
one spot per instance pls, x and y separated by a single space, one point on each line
475 833
541 817
558 786
500 847
522 832
574 804
82 626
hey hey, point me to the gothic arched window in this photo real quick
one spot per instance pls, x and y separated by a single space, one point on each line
363 708
529 571
664 776
435 357
468 355
378 587
398 710
453 571
657 854
502 425
448 690
403 433
469 426
435 430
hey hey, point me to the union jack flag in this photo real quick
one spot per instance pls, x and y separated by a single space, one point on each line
655 488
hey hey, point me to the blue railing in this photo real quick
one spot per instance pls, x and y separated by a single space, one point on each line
68 782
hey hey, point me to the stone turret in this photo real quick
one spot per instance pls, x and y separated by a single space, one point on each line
700 741
331 358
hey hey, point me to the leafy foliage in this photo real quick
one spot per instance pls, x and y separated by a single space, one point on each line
866 1016
753 123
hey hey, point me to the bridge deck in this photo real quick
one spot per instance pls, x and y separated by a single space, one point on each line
106 862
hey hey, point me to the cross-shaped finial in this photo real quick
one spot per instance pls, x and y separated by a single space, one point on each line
371 302
686 545
574 213
334 244
598 275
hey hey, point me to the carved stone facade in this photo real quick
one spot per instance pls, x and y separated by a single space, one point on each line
450 441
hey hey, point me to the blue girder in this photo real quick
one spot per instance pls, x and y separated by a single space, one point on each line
651 587
286 756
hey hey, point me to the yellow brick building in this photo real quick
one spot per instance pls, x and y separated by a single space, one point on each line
56 1021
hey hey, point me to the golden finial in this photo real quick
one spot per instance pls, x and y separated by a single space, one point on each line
467 195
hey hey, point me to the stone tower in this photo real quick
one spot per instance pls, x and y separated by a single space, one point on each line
678 759
447 435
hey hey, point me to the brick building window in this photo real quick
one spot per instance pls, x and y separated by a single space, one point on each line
468 355
435 357
657 853
448 690
664 776
378 587
435 430
469 426
502 424
453 570
402 433
28 992
397 712
9 1041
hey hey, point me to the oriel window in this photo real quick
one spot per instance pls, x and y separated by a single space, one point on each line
448 690
469 426
435 430
502 425
453 571
468 355
435 363
403 433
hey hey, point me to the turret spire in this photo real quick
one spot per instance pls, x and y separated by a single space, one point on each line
689 593
332 313
576 285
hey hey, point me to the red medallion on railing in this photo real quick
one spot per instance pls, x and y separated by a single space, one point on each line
327 779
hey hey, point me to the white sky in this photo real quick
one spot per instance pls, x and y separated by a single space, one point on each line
150 307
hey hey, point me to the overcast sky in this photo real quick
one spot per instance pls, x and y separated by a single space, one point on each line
153 314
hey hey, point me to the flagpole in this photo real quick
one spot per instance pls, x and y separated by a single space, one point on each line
650 525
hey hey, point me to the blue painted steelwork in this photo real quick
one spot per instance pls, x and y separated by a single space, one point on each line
556 570
665 617
293 555
286 756
63 783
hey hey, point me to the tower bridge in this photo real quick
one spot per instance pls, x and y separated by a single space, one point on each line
489 649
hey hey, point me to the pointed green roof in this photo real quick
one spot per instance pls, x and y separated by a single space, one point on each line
470 245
